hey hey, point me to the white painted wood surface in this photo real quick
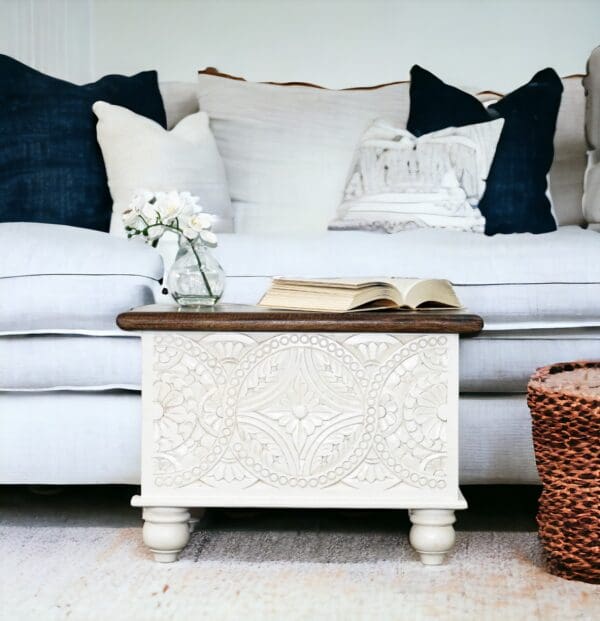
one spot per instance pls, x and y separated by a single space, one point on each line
300 420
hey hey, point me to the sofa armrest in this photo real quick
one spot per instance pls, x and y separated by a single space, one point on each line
591 190
591 186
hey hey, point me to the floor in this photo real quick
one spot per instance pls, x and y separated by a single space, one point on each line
78 555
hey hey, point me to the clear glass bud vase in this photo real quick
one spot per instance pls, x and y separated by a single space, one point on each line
196 277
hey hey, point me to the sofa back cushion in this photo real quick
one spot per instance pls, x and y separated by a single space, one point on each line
51 167
591 198
140 154
568 167
288 149
180 98
591 83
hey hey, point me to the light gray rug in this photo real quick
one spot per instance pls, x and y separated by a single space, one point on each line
79 556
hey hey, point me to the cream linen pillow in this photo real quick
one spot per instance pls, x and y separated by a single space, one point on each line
399 181
288 148
139 153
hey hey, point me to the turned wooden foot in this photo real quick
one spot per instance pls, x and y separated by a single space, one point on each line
432 534
166 531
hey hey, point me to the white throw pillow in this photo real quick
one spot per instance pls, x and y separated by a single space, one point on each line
399 181
288 148
139 153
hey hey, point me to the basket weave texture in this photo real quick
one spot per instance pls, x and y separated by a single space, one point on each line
564 400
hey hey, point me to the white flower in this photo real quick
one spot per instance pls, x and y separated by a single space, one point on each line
139 199
149 212
130 217
200 222
191 203
155 232
208 237
189 233
159 212
172 205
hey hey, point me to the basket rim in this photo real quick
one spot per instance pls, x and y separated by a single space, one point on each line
536 381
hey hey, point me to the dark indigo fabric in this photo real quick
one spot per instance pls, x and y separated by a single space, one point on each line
515 198
51 167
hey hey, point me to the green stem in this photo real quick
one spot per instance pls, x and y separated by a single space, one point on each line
204 278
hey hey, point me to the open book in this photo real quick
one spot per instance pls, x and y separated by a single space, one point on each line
348 294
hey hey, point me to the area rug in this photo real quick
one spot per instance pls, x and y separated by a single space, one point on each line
79 556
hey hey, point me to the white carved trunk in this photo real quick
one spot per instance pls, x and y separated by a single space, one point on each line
302 420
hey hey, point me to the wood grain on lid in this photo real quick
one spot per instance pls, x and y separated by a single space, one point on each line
239 318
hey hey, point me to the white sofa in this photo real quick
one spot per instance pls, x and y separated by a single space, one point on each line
69 378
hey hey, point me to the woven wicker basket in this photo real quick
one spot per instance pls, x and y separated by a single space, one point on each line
564 400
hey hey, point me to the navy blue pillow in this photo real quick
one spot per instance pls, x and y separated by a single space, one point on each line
515 198
51 167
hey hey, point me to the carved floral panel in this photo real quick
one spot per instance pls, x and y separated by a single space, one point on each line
300 410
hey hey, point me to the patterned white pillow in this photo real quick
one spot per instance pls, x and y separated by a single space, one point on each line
399 181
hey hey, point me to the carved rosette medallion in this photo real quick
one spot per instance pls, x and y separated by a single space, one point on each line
298 402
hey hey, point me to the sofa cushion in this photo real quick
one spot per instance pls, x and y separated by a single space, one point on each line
513 281
502 362
400 182
288 149
103 432
140 154
245 117
180 100
62 278
592 112
516 194
568 167
51 168
496 362
591 199
69 362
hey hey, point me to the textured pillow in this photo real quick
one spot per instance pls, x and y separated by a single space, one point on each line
400 181
516 198
139 153
288 148
51 168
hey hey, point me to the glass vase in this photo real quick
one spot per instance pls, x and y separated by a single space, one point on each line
196 278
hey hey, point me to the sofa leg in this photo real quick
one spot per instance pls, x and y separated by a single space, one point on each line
432 534
196 516
45 490
166 531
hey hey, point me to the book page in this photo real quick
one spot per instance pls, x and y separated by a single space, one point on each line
329 283
326 298
431 293
345 294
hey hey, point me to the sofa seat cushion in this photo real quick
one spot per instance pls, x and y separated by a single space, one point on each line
102 433
494 362
503 362
56 278
513 281
69 362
